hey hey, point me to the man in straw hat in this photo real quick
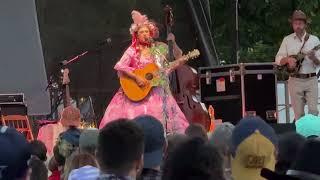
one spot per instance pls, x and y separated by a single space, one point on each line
303 86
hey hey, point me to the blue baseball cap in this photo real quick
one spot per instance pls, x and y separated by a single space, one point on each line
72 135
154 140
247 126
15 152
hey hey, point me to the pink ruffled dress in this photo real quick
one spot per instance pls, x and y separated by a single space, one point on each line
159 103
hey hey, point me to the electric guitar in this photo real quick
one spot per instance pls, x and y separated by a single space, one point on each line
150 73
300 58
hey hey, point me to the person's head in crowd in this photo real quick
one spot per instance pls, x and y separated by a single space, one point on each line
154 145
70 117
58 157
78 160
194 159
306 165
254 146
289 145
221 139
88 141
68 141
39 150
174 141
120 148
57 162
196 130
38 169
82 166
308 126
67 165
15 152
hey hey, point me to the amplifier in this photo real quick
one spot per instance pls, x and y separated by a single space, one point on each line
17 98
13 104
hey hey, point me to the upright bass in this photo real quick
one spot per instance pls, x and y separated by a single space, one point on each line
184 84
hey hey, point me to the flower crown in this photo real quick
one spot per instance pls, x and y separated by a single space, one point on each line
142 20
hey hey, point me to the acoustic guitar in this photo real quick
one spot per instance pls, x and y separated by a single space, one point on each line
151 73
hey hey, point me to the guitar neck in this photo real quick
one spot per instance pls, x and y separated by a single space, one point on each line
170 51
316 48
67 98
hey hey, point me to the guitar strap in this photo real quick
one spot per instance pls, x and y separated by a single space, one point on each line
306 37
304 42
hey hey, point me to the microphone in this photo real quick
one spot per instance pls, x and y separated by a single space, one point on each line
63 63
108 40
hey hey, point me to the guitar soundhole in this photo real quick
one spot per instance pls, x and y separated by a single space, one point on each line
149 76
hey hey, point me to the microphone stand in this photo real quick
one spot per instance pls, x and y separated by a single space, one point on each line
64 63
83 53
74 59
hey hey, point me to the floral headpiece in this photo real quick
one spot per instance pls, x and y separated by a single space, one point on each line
142 20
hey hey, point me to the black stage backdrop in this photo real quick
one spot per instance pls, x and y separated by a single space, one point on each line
69 27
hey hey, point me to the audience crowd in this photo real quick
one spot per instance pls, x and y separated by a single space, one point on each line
129 149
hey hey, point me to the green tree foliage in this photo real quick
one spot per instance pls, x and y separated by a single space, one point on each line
262 26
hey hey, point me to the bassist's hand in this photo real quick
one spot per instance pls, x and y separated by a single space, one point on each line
171 37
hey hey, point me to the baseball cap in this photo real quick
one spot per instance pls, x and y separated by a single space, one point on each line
68 141
15 152
221 137
72 135
254 143
308 125
154 140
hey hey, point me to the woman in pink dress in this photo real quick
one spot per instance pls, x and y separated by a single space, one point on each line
159 103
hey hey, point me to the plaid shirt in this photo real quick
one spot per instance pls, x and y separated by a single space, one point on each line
150 174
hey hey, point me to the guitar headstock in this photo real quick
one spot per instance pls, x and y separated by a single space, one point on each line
168 16
65 76
193 54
